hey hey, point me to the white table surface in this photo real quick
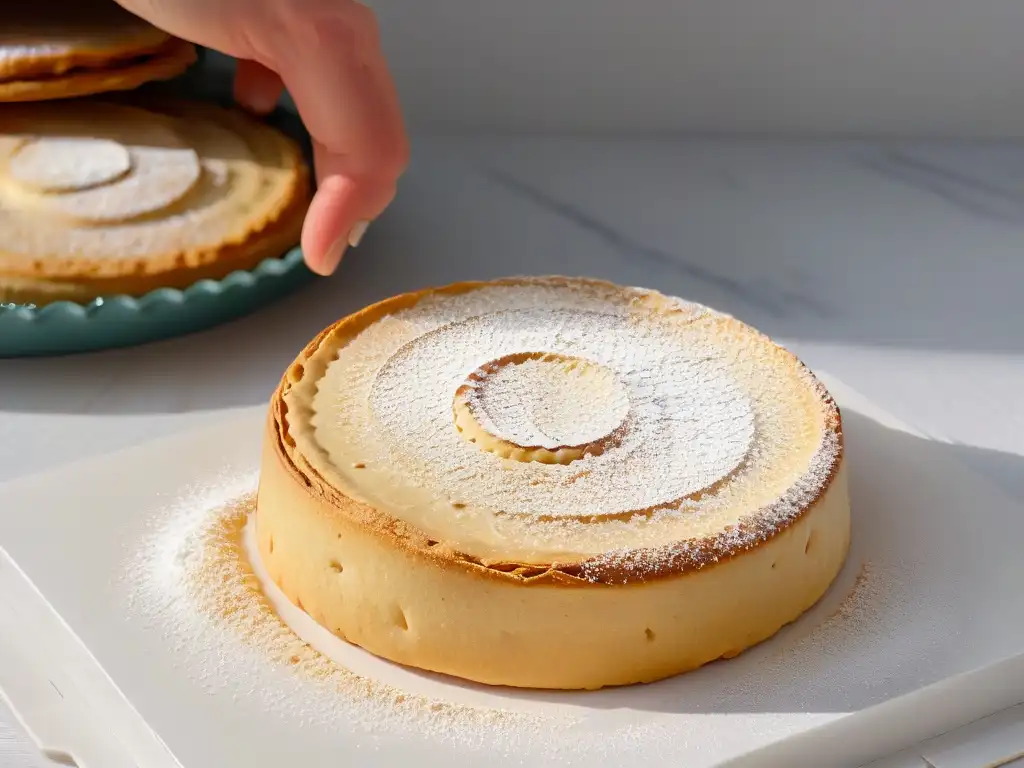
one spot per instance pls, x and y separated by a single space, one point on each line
897 267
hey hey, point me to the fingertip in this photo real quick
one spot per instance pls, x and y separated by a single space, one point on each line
327 265
330 219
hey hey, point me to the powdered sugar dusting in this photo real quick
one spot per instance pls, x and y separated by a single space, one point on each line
200 177
688 425
722 443
625 565
194 585
193 582
548 401
917 603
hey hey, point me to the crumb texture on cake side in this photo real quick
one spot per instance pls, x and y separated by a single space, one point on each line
472 479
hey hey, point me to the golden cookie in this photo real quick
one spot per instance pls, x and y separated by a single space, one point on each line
168 61
551 483
39 39
99 199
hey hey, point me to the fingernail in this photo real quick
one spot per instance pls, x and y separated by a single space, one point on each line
333 257
358 230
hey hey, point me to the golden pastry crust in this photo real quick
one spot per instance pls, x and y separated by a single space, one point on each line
209 191
167 61
53 38
525 599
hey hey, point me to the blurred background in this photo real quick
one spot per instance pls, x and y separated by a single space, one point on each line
893 67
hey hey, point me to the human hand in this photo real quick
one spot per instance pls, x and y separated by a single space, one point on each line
327 53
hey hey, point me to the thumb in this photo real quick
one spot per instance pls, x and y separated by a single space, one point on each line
342 209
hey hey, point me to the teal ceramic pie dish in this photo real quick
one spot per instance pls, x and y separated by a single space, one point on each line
121 321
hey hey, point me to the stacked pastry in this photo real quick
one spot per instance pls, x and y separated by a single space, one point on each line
100 198
68 48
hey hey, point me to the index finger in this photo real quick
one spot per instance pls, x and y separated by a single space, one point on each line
336 72
339 79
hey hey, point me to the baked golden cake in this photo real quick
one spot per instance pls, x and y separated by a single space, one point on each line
99 199
68 48
551 483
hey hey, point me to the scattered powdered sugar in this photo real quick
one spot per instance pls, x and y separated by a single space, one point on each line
861 599
193 583
863 607
854 641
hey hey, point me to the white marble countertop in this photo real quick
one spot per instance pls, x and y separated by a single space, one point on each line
896 266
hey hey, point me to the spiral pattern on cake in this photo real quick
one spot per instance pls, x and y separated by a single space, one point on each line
130 198
545 421
521 443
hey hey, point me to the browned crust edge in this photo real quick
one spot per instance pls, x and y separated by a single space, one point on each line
78 278
59 35
166 62
663 562
145 41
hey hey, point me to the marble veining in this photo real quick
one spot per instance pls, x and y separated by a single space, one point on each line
970 193
776 302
